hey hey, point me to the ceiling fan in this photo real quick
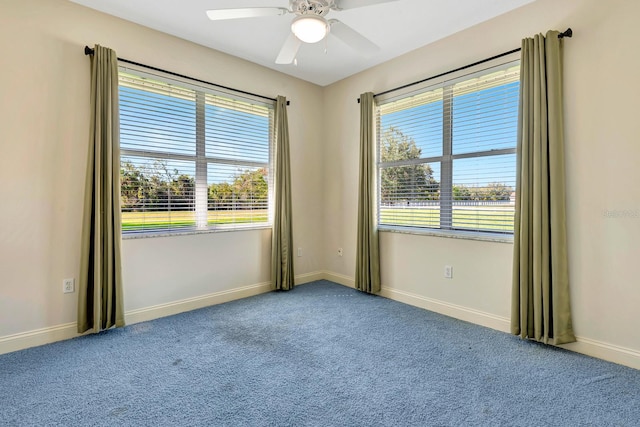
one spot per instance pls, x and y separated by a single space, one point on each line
310 24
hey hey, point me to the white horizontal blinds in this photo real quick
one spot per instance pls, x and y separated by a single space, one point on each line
485 111
156 116
484 193
236 130
191 159
410 131
484 133
409 195
447 154
158 144
237 195
238 136
417 121
157 195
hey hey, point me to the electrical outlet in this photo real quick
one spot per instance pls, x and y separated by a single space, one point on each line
68 285
448 272
339 251
299 251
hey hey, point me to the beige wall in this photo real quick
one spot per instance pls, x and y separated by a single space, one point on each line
43 136
44 100
603 154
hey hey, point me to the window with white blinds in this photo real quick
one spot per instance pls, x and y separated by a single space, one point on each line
191 158
446 154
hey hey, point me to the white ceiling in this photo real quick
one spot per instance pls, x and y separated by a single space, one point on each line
397 27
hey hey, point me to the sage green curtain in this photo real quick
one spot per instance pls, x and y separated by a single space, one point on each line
100 299
540 308
282 276
367 252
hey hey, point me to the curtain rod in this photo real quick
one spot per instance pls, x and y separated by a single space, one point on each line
89 51
568 33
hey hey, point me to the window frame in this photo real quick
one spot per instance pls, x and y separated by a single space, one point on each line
446 159
200 158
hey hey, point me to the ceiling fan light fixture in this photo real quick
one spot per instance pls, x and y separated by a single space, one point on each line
310 28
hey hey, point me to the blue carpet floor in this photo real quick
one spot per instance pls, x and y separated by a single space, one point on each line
320 355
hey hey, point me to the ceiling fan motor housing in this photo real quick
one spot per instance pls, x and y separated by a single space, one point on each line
311 7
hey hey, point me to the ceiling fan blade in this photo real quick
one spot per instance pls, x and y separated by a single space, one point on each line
352 4
289 50
247 12
353 38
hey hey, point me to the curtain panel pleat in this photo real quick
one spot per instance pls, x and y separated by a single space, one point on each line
100 296
540 308
367 252
282 274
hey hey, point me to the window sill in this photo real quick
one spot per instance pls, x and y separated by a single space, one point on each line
452 234
148 235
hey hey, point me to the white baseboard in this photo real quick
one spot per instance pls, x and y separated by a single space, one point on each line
308 277
339 279
66 331
37 337
609 352
188 304
175 307
448 309
612 353
452 310
598 349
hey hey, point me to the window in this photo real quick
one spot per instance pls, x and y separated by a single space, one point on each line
191 158
447 154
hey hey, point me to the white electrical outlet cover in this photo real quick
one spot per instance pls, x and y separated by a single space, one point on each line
68 286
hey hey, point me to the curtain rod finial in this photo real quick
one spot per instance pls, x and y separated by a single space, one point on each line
568 33
88 50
